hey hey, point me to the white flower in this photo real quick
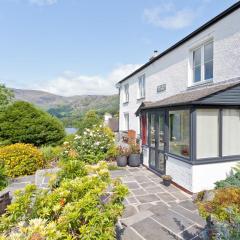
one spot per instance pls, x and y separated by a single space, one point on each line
65 143
77 137
97 143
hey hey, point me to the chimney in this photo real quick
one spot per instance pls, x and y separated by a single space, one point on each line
155 53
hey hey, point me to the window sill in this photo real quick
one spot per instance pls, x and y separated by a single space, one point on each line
125 103
201 83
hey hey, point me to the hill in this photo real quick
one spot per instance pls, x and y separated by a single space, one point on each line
69 109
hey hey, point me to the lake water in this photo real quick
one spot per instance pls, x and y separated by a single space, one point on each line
71 130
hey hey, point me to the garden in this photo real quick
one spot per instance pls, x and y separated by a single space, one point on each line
221 207
82 201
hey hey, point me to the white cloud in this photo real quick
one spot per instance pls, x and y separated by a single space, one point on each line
167 16
43 2
71 83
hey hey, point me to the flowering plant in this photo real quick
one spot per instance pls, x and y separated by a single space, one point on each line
135 148
123 151
94 144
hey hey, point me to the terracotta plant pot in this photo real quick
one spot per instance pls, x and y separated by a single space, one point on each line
122 161
134 160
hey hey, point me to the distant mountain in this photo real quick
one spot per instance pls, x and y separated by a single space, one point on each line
69 108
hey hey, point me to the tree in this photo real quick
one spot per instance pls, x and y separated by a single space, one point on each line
88 121
22 122
6 96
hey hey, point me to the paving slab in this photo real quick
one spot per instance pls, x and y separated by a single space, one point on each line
189 205
151 230
129 211
192 233
147 198
132 200
132 185
155 189
141 179
148 185
139 192
129 234
173 221
136 218
194 217
166 197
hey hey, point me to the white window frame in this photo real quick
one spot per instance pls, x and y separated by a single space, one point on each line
126 93
141 86
126 121
203 80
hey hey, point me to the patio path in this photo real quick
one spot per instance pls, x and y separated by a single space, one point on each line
154 211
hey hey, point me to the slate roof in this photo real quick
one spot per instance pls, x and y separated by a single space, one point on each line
189 97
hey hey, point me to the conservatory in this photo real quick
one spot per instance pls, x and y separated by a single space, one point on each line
193 136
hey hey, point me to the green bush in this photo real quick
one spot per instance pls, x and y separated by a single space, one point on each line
93 145
21 159
3 178
21 122
80 208
51 154
89 120
231 181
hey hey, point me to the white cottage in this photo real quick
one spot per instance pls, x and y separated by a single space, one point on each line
187 105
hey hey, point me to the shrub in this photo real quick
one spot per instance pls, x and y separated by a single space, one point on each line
94 145
89 120
3 178
224 209
80 208
51 154
231 181
21 159
22 122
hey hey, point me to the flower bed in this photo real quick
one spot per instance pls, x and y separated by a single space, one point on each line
76 207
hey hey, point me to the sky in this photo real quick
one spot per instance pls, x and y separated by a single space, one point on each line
76 47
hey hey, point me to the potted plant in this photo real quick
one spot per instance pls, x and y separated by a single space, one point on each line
134 157
122 154
167 179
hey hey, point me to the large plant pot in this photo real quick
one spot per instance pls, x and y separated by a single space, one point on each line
134 160
122 161
167 182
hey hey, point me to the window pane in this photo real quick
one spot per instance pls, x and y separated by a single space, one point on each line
231 132
179 132
197 74
152 130
197 57
126 92
141 86
207 133
208 52
126 119
208 70
161 132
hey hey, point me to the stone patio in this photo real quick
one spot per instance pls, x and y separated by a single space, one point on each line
154 211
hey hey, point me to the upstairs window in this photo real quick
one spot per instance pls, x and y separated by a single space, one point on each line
141 86
203 63
126 93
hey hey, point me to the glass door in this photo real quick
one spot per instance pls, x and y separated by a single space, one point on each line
157 141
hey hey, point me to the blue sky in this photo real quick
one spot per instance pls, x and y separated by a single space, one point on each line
72 47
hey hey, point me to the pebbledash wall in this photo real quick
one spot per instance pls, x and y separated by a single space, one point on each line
174 70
